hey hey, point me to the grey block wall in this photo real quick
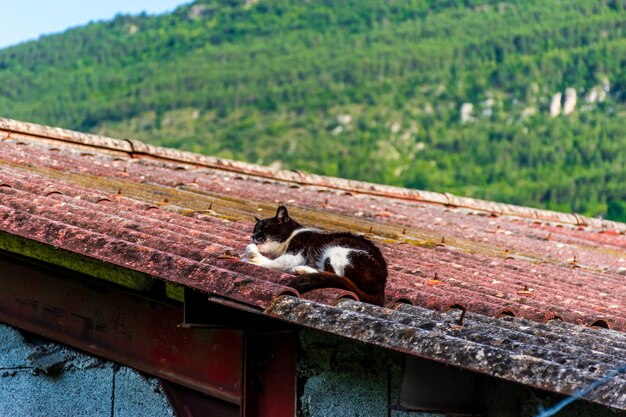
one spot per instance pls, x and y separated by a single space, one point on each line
342 378
338 377
39 378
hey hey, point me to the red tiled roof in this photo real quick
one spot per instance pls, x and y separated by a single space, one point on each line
185 218
488 263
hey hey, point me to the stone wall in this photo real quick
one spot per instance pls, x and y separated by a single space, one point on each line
341 378
40 378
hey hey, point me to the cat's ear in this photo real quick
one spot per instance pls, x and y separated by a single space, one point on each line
257 219
282 215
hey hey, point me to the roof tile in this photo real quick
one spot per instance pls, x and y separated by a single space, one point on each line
185 218
492 265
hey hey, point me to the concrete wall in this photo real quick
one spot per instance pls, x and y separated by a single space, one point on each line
341 378
39 378
336 378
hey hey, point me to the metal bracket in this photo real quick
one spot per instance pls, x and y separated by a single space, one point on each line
204 311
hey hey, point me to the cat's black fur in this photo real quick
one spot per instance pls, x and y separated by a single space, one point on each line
321 259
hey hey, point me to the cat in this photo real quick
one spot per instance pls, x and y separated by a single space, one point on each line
318 259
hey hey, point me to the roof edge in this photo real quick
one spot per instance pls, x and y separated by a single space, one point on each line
425 333
137 148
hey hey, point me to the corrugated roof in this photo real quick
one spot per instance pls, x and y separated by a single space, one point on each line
184 218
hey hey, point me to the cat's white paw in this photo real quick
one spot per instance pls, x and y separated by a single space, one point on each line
251 253
303 269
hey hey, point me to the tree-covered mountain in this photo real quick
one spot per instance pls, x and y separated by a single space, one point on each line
516 101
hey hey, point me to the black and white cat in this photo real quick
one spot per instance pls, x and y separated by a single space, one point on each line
319 259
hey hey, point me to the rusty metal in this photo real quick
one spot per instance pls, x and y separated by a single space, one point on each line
270 354
121 326
190 403
270 374
201 311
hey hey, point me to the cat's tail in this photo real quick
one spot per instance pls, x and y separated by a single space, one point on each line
307 282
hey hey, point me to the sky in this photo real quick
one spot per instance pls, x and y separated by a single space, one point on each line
24 20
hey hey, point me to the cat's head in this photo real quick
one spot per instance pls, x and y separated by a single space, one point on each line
271 234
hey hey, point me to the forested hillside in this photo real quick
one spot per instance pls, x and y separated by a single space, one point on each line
520 101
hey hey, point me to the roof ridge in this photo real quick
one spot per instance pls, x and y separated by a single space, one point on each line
137 148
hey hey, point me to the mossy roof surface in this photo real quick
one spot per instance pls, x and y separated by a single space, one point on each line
130 213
